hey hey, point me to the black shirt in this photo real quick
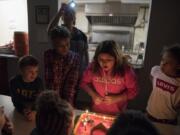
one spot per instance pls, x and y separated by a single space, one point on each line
24 94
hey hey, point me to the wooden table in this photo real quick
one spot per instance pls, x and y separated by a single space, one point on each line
24 127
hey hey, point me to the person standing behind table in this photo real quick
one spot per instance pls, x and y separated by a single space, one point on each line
25 87
164 100
109 80
78 42
61 65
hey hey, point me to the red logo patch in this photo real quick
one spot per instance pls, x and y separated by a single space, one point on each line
166 86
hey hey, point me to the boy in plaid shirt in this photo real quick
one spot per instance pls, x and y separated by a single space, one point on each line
61 65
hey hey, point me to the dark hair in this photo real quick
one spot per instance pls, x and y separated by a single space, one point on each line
54 115
174 50
132 123
27 61
59 32
68 9
111 47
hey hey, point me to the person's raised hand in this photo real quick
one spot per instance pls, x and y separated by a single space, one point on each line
61 10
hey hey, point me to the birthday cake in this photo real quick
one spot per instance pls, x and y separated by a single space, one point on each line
93 124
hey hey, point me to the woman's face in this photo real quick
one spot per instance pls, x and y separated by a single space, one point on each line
168 64
106 62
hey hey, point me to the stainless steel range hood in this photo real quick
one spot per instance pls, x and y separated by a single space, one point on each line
112 20
112 13
115 21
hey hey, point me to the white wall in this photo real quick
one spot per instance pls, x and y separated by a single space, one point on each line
14 14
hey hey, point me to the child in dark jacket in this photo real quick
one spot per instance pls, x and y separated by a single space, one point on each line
25 87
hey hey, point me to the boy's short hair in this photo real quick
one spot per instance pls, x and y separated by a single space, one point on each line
54 115
174 50
132 123
27 61
59 32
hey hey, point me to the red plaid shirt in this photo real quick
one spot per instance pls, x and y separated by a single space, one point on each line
61 73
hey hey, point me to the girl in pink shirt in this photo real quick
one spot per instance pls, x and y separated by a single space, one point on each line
109 80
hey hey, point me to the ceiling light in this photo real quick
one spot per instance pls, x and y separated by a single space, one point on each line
72 4
110 14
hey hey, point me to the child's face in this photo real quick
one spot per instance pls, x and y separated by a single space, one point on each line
61 45
30 73
106 62
168 64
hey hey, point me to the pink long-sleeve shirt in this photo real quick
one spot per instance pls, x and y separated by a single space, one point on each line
114 86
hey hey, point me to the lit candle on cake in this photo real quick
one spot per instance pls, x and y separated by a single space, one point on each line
86 111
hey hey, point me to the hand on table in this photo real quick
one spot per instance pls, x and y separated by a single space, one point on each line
111 99
97 99
29 114
8 127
